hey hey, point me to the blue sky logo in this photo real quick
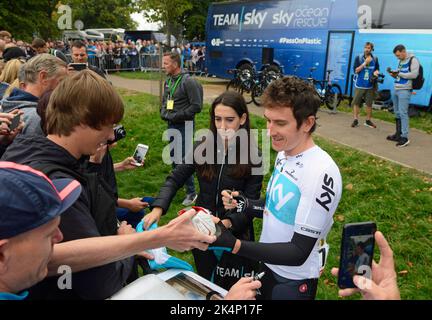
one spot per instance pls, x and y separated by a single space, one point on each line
283 199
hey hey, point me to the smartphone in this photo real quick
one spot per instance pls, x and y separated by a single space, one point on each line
357 248
78 66
15 122
149 200
139 154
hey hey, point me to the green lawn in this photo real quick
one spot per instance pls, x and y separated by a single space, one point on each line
398 199
423 122
156 76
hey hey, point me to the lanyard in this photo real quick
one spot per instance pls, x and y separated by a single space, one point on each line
172 89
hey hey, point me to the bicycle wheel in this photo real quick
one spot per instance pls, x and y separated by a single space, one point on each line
233 85
246 90
333 91
319 89
257 92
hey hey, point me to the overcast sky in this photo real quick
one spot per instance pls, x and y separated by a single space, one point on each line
143 24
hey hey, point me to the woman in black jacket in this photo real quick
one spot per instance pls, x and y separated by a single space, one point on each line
223 160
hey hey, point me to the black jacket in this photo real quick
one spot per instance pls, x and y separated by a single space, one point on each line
188 100
210 192
76 223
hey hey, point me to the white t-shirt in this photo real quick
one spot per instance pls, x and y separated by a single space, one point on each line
302 196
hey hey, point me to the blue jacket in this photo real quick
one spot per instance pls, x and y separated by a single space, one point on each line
26 102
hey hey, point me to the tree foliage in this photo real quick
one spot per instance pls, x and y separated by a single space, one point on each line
169 12
28 18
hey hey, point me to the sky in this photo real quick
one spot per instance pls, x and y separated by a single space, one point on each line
143 24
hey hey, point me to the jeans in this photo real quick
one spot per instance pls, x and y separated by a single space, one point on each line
132 218
189 184
401 100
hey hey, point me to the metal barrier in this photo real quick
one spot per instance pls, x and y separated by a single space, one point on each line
124 62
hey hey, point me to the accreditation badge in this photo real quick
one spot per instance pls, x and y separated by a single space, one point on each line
170 104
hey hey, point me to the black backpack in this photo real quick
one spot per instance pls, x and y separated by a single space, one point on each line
418 82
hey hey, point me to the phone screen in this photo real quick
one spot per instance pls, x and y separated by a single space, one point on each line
140 153
79 66
15 122
357 249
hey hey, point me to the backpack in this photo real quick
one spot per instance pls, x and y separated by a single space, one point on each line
418 82
102 203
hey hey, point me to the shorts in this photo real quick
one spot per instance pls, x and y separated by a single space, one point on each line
275 287
367 94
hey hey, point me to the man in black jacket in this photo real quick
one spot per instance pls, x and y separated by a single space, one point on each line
182 99
79 120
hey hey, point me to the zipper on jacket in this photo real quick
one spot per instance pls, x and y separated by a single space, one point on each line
218 183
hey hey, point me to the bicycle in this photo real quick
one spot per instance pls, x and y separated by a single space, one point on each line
263 80
327 91
242 82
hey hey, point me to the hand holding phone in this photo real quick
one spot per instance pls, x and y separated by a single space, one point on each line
78 66
357 247
139 154
15 122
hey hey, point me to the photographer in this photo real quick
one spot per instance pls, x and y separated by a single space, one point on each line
366 68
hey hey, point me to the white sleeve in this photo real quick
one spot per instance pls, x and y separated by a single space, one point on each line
319 200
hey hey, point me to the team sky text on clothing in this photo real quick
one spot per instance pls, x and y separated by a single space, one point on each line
300 18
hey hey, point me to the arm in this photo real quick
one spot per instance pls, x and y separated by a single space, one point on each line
179 234
357 66
173 182
293 253
194 93
414 71
251 191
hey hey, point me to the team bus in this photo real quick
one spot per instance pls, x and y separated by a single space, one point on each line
296 35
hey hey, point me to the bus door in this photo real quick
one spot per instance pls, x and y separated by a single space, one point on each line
338 58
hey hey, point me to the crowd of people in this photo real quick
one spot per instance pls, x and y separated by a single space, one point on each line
112 55
59 199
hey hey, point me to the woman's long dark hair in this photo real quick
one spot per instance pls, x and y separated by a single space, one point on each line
235 101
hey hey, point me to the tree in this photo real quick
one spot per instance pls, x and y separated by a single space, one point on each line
168 12
104 13
28 18
25 18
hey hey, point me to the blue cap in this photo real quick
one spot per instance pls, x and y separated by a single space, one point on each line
29 199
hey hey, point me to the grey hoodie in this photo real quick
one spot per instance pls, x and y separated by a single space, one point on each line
26 102
412 74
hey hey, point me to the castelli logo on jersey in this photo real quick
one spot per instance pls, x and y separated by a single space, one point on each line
303 288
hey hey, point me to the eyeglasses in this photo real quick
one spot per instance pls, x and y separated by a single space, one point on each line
80 54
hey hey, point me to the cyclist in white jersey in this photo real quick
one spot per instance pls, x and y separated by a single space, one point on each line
301 198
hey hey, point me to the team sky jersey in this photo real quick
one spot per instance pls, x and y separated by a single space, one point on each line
302 196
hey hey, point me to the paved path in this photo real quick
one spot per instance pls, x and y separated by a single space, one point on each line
335 127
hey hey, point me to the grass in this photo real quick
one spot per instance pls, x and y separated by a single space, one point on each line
156 76
398 199
422 122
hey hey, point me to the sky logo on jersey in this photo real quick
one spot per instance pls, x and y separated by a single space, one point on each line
283 198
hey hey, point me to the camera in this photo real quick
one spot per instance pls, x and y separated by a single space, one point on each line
119 133
378 79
